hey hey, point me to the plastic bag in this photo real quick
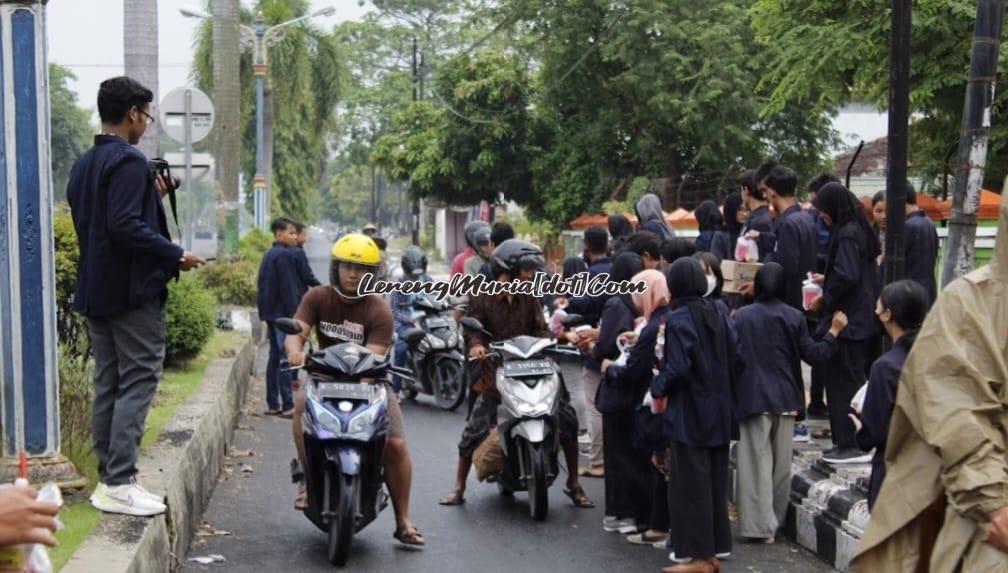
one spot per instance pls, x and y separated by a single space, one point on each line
31 558
810 291
857 402
746 250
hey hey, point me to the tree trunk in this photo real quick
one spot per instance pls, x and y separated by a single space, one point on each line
226 100
141 59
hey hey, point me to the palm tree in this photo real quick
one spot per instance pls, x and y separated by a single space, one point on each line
140 47
226 95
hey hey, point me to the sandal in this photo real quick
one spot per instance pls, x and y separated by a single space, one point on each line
454 498
645 539
577 495
287 414
301 501
271 413
409 536
592 472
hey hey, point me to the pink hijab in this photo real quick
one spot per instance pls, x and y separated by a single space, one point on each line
656 295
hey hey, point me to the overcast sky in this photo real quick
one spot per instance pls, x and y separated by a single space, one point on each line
87 37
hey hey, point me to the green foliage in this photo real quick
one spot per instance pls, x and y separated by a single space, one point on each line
538 231
458 160
254 245
190 318
231 282
71 128
828 53
306 73
71 327
617 207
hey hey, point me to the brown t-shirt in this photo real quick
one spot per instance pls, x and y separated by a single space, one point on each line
365 321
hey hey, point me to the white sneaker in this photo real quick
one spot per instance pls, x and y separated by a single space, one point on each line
584 439
126 499
621 525
672 557
150 495
98 490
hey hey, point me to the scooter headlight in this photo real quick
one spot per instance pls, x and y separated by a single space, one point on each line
453 339
531 401
325 418
360 427
436 342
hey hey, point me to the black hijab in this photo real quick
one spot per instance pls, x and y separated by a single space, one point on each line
732 204
844 209
573 266
770 284
619 226
625 266
687 284
708 217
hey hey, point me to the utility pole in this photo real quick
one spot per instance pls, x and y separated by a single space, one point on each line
973 140
416 201
898 140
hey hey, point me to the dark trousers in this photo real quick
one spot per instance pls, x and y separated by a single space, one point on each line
627 470
698 501
129 352
278 383
659 494
817 389
843 376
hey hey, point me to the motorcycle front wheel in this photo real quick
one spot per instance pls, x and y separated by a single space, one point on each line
343 504
537 485
449 384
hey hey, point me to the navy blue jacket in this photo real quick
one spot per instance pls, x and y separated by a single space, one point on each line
634 379
618 316
704 240
773 340
284 277
759 220
794 238
722 246
126 254
877 411
822 240
921 250
701 408
851 285
590 306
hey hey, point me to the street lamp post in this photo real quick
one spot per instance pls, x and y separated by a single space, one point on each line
260 38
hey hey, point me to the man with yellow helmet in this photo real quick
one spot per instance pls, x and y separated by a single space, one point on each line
338 314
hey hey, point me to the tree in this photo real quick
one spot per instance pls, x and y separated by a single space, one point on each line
306 72
631 90
830 53
454 151
217 69
140 52
71 128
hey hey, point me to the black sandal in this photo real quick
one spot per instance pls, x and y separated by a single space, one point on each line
578 496
409 536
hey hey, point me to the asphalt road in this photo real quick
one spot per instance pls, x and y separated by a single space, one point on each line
253 504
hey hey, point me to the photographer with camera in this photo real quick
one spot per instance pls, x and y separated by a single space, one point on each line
126 260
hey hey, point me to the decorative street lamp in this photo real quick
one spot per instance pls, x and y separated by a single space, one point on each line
260 38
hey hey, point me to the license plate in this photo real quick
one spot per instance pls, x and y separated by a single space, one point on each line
438 322
344 391
518 368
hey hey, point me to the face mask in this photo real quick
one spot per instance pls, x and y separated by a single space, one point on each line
711 285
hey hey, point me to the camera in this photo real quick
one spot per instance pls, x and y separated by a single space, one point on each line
160 167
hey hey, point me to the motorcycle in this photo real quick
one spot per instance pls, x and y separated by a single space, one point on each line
529 383
435 355
345 425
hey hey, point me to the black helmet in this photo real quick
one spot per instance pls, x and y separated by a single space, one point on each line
470 231
414 261
515 254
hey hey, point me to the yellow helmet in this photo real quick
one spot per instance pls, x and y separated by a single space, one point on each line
356 248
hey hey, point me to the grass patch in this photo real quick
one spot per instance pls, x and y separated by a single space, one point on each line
177 384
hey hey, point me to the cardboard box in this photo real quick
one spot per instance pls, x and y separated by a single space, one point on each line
737 274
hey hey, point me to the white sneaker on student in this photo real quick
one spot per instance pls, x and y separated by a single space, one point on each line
150 495
98 490
128 499
611 524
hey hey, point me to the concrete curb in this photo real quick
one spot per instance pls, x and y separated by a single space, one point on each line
828 512
184 463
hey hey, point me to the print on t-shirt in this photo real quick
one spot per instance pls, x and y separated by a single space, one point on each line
346 332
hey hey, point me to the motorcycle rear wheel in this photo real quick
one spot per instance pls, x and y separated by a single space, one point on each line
344 506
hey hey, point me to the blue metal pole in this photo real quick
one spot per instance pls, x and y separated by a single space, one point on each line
29 400
260 68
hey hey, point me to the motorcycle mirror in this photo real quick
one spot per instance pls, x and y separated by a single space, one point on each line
572 320
471 323
288 326
413 335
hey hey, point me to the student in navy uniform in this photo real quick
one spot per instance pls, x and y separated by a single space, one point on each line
648 246
710 221
793 236
773 340
596 255
630 380
920 246
851 285
620 230
754 197
715 280
698 371
650 217
626 469
284 277
817 400
723 243
901 308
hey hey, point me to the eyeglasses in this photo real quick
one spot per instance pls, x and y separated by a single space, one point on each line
150 118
